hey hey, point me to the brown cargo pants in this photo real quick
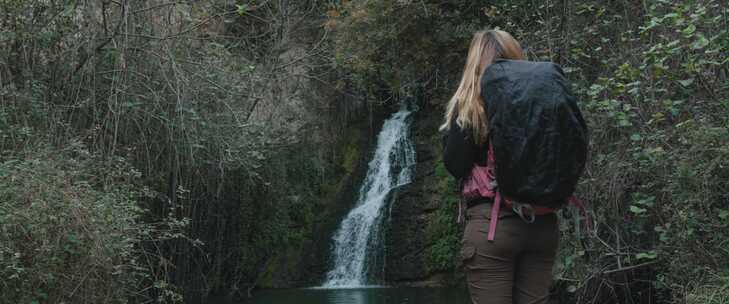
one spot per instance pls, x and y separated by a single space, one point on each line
516 268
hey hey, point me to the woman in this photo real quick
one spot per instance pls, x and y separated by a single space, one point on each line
517 266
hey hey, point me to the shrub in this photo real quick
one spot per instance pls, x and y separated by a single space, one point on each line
71 229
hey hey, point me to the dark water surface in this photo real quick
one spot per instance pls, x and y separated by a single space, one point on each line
375 295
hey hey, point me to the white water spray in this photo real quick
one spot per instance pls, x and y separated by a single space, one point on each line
359 234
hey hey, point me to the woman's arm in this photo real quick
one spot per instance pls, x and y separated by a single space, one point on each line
459 151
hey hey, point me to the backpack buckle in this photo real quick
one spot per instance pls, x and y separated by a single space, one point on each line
493 185
519 209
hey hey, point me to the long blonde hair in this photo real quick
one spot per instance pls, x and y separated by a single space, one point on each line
466 105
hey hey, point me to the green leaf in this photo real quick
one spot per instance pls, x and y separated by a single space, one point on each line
637 210
724 214
650 255
645 200
689 30
242 8
635 137
686 82
652 24
700 42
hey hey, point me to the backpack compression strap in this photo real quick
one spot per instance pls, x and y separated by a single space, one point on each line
534 211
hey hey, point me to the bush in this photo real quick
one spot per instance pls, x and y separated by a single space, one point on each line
71 229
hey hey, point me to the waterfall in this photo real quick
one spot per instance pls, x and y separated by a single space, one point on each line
359 236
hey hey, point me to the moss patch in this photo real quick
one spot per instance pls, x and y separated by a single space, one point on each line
442 231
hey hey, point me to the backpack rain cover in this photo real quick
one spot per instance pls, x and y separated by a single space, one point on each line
539 136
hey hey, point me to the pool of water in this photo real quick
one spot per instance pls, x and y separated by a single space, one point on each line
371 295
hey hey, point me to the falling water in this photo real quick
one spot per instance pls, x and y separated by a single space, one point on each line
358 237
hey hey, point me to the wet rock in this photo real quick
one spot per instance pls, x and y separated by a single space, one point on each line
412 211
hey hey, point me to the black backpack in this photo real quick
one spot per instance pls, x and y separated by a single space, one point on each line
539 137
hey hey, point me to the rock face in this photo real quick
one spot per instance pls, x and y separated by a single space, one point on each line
306 264
413 210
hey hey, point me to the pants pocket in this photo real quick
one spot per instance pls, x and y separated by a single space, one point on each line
467 253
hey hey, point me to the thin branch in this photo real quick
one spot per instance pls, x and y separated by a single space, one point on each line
629 267
102 44
157 6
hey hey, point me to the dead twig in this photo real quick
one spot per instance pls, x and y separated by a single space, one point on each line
620 269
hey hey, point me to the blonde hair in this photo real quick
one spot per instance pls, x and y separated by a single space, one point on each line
466 105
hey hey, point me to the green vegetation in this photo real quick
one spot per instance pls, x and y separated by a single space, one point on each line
296 197
652 80
72 229
442 233
164 150
157 150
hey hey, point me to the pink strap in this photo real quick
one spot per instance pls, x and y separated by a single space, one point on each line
497 198
495 208
494 216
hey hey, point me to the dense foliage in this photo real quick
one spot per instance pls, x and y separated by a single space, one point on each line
652 80
72 229
121 121
158 150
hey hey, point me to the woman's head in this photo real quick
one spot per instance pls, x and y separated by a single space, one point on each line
466 106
